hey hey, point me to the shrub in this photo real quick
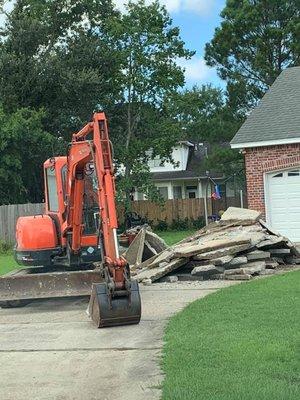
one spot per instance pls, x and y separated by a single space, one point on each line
198 223
180 224
5 247
162 225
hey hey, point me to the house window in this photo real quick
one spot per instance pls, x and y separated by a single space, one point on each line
139 196
293 173
177 192
163 191
280 175
191 192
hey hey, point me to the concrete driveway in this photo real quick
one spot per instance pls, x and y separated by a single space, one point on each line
51 350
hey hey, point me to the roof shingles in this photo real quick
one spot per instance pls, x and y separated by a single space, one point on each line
277 116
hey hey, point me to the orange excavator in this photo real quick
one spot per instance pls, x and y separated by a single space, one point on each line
75 241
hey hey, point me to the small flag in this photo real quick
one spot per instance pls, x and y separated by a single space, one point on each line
216 194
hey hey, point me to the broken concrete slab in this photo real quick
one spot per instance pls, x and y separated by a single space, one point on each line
293 260
241 214
157 272
134 253
155 241
228 251
147 282
144 246
172 279
271 241
207 270
164 256
258 255
236 262
269 228
271 264
281 252
206 247
249 269
222 260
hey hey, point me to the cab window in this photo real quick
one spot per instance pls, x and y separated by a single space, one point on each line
52 190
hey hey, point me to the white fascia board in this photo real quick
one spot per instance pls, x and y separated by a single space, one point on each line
265 143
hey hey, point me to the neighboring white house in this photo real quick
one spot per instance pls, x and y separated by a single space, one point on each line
185 179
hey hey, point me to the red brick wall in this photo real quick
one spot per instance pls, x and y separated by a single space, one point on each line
265 159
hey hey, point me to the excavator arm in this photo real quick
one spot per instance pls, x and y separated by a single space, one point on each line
116 301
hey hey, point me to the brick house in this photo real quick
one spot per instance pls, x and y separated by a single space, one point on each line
270 142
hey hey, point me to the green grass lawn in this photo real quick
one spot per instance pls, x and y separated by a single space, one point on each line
7 263
241 343
172 237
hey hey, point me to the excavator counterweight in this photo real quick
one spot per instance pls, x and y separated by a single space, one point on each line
78 229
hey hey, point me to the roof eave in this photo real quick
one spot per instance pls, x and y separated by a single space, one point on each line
265 143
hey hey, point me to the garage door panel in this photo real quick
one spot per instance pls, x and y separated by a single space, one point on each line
283 202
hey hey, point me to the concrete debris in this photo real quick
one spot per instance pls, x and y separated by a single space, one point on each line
172 279
145 245
236 262
207 270
235 213
258 255
238 247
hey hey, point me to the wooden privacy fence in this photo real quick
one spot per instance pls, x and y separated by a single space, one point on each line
191 209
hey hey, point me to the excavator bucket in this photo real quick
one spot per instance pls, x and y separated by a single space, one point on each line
120 308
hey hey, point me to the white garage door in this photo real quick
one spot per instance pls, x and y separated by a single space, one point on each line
283 202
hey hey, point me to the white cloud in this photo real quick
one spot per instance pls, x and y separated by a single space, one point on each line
196 71
202 7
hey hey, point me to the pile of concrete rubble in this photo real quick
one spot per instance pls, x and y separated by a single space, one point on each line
238 247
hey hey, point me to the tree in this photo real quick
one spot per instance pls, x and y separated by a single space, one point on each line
207 115
57 55
257 39
204 114
149 47
24 146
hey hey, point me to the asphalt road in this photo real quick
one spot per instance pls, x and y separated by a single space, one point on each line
50 350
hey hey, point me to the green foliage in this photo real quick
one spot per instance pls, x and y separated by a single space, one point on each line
239 343
226 160
59 58
204 114
5 247
161 225
254 43
180 224
149 47
24 146
198 223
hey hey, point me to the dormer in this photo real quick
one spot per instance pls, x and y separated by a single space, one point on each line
180 155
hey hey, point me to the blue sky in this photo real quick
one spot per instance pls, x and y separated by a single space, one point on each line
196 30
197 20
